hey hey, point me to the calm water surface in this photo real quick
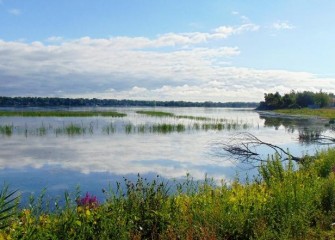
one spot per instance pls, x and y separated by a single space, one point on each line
30 161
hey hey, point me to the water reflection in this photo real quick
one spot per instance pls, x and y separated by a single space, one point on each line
309 130
94 160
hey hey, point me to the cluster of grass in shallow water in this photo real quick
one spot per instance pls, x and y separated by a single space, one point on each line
61 114
73 129
167 114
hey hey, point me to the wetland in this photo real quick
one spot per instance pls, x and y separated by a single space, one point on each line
63 148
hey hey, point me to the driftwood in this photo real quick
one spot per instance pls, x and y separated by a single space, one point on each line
243 147
316 138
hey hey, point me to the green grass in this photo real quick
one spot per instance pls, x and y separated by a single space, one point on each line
156 113
197 118
328 113
284 201
6 130
75 129
60 114
167 114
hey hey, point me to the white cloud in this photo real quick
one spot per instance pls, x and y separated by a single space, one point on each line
244 19
173 66
282 25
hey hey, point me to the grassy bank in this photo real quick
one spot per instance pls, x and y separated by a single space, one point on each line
283 202
60 114
328 113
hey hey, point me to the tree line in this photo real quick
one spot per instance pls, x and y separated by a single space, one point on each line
294 100
94 102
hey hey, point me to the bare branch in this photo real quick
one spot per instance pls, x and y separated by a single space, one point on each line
243 147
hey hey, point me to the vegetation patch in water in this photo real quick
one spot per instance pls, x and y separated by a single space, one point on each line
167 114
74 129
60 114
6 130
155 113
197 118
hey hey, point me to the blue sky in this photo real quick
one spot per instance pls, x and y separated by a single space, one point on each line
166 50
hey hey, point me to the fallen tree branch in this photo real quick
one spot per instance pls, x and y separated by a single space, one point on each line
243 147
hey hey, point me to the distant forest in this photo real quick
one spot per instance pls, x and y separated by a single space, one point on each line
294 100
84 102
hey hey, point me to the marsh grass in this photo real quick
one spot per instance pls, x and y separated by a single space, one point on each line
155 113
60 114
109 129
6 130
284 201
323 113
168 114
197 118
73 129
76 129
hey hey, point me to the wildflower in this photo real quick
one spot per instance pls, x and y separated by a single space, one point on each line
89 201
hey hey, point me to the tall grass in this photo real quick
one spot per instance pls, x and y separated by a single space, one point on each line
60 114
8 204
6 130
168 114
76 129
284 201
324 113
155 113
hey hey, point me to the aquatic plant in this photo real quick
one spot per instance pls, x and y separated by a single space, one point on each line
155 113
6 130
129 128
109 129
61 114
197 118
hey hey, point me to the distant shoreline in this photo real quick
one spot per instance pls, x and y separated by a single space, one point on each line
85 102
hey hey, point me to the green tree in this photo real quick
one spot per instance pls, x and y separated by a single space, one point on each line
322 99
273 101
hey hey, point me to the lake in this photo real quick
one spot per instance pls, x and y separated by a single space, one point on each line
43 152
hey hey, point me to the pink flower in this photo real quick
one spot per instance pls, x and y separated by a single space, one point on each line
89 201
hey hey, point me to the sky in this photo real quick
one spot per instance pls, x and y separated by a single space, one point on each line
215 50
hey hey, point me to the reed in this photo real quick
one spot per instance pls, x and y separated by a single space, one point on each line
167 114
155 113
129 128
6 130
109 129
60 114
197 118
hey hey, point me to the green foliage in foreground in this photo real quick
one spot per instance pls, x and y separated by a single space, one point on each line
324 113
60 114
283 202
